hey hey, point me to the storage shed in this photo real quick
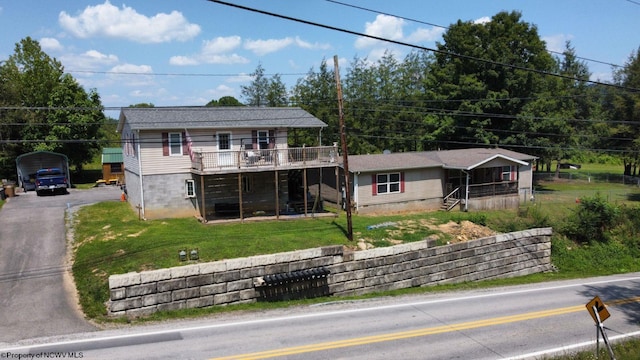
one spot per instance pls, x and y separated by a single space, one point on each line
112 166
27 165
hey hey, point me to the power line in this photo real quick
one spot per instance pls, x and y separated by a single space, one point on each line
174 74
447 28
424 48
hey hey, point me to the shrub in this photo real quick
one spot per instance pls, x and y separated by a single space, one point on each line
592 220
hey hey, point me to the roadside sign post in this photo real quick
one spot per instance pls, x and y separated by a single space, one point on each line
599 313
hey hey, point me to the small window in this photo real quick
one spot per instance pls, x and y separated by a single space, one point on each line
190 188
175 144
116 167
224 141
506 173
388 183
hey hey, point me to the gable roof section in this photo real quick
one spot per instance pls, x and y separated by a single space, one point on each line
463 159
236 117
468 159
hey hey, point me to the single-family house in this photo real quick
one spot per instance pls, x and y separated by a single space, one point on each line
218 162
474 179
112 166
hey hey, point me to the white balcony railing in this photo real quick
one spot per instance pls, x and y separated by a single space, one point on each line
265 158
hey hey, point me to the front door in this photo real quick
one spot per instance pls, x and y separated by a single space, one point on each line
225 155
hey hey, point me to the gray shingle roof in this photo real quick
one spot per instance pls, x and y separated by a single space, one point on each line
237 117
449 159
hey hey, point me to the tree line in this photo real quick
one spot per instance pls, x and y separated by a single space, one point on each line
485 85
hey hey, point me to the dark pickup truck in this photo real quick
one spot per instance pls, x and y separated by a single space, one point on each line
51 180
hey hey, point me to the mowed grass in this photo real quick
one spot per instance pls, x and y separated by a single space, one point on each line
109 239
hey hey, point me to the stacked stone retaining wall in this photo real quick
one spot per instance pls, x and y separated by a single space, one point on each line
350 272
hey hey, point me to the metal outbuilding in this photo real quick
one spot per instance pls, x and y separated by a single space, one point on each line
27 165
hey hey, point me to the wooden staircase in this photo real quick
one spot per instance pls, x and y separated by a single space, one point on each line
450 201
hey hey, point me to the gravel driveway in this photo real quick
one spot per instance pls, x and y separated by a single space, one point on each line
36 295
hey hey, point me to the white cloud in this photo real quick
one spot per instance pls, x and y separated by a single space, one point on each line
311 46
110 21
132 75
221 45
263 47
557 42
220 91
182 61
425 35
482 20
98 57
132 69
385 26
208 59
240 78
50 44
89 60
213 52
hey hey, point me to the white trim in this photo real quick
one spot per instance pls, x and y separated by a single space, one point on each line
141 175
171 153
187 193
389 182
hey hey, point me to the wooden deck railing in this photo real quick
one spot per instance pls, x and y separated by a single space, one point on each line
265 158
492 189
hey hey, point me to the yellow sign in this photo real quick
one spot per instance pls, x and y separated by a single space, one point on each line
596 303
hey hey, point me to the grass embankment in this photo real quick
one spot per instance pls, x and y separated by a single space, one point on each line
111 240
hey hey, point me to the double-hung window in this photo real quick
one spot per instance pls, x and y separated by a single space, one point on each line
263 139
388 183
175 144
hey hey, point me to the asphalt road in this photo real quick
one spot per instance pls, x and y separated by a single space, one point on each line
521 322
36 296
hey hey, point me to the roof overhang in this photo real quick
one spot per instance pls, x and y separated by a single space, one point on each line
489 159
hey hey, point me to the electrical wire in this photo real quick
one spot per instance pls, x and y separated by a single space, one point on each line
447 28
402 43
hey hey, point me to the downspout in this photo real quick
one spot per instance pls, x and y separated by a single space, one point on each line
356 184
141 182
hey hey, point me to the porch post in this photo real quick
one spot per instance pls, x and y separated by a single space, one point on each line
203 208
466 193
337 171
304 178
240 195
277 197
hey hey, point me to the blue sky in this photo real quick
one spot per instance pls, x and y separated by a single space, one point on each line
188 52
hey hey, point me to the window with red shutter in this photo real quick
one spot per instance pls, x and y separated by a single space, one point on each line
388 183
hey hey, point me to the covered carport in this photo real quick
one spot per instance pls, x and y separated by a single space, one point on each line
27 164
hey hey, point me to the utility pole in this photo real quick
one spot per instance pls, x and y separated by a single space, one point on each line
345 154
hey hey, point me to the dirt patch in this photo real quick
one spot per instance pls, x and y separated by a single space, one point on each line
451 232
464 231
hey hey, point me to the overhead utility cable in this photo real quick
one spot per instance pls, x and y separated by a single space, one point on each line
447 28
402 43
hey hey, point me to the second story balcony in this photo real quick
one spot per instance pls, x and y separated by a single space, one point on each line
248 160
